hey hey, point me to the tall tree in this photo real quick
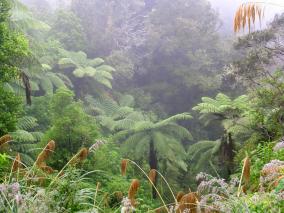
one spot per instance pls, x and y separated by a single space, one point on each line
14 49
182 55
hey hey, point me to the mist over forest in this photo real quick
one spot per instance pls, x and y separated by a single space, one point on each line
141 106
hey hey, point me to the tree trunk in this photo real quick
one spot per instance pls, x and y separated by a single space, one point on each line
153 162
227 153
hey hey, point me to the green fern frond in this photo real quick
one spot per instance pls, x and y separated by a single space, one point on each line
222 98
106 68
174 119
96 62
37 135
103 81
122 112
66 63
200 146
46 85
27 123
123 124
23 136
65 79
177 131
143 126
136 116
34 86
126 100
55 80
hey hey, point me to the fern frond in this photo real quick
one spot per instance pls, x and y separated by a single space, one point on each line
143 126
22 135
177 131
174 119
66 63
46 85
106 68
200 146
65 79
122 112
27 123
96 62
126 100
123 124
55 80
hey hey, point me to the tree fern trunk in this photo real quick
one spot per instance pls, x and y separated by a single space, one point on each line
227 154
153 162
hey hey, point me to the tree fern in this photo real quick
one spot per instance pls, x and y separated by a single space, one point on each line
24 139
231 113
111 115
158 142
84 67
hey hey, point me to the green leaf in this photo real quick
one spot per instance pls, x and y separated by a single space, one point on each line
66 63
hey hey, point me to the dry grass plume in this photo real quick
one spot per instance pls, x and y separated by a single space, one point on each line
133 190
42 157
80 156
17 164
4 139
179 196
246 170
124 163
188 201
246 15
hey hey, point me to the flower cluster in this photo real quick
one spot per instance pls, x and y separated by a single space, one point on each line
271 172
213 203
10 194
213 186
279 145
126 206
202 176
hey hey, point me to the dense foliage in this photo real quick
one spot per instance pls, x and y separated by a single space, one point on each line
116 106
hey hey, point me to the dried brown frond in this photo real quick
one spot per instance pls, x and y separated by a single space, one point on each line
246 170
161 209
118 195
42 157
179 196
188 201
246 15
244 189
124 163
80 156
152 175
5 138
47 169
133 189
17 164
